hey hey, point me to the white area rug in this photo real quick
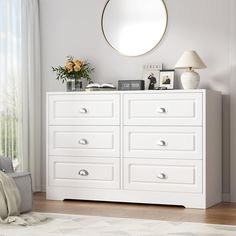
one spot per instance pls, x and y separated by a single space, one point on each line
79 225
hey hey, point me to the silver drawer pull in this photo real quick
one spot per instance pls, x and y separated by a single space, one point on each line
162 143
161 110
83 110
161 176
83 173
83 141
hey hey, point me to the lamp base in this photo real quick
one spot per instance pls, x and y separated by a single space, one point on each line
190 80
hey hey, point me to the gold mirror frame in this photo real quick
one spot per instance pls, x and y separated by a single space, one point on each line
157 41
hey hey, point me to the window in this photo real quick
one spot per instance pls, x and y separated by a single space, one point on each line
10 44
20 93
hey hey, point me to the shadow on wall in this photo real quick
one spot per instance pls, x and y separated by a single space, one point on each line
233 126
226 142
221 82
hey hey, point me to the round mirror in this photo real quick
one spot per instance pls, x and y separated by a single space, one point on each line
134 27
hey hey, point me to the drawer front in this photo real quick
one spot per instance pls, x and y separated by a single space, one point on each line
163 175
101 141
163 142
83 172
163 109
84 109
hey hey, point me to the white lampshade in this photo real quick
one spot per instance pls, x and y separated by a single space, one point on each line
190 59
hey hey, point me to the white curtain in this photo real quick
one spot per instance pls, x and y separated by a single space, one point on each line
20 89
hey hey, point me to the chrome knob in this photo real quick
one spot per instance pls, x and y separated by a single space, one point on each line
83 110
83 141
161 110
161 176
83 173
162 143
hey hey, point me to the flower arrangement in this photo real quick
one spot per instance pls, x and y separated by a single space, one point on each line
74 69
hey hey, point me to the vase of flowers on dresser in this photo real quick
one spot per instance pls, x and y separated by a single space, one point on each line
74 73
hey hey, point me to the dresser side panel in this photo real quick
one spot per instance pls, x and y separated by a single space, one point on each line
213 128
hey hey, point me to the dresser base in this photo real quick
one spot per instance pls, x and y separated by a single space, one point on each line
163 198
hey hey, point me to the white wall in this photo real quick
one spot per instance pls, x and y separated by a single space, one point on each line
233 100
73 27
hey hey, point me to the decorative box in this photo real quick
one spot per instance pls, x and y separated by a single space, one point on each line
131 85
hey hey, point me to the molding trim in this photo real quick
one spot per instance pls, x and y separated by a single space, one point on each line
232 51
225 196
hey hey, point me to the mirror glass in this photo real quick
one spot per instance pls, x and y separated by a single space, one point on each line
134 27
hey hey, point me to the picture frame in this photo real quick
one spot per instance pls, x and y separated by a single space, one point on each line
151 76
167 79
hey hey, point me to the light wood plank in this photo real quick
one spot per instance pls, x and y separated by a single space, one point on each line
224 213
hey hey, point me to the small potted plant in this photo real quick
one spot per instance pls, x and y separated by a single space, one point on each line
73 72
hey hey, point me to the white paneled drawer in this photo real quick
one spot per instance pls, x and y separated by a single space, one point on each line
100 141
84 173
163 175
163 109
83 109
163 142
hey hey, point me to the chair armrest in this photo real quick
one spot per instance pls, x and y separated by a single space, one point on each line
6 165
24 184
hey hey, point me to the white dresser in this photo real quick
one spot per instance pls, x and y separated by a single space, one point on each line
159 147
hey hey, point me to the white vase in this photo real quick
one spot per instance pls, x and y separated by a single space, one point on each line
190 80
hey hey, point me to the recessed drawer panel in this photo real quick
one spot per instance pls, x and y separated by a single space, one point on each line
101 141
84 109
163 142
83 172
163 175
163 109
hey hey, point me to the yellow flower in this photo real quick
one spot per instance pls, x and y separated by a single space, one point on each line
77 65
69 66
77 68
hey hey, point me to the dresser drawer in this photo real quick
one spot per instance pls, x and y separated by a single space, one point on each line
163 175
163 142
163 109
90 141
84 173
84 109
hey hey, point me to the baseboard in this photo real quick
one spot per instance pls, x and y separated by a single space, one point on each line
226 197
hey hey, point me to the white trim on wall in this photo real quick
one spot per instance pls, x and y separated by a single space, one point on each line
233 101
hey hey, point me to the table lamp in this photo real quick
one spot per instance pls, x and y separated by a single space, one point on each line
190 60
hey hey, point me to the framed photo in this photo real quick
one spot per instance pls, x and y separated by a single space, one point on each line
167 78
151 76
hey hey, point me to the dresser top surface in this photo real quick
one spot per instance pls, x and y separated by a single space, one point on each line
203 91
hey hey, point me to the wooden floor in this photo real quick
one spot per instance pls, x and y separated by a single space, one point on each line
224 213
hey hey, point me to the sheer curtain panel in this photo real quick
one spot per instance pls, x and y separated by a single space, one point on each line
20 88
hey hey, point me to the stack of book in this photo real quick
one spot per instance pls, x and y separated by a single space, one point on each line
100 87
